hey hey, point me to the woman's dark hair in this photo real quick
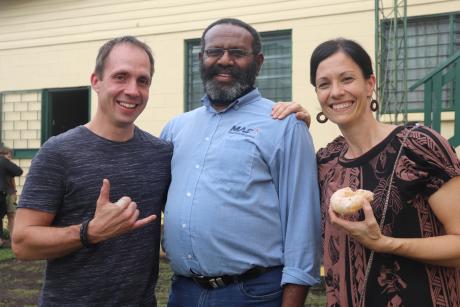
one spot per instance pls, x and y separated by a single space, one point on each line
347 46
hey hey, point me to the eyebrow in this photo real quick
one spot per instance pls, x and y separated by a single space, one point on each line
341 74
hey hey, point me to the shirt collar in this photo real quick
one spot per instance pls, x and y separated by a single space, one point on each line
238 103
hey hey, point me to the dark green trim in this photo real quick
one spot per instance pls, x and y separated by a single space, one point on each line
185 81
436 102
24 153
433 15
451 33
428 103
292 57
455 139
1 117
187 44
45 116
89 102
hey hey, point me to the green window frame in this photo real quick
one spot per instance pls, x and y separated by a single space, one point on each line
274 80
430 40
47 107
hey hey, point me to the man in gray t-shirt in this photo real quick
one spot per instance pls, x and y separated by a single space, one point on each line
91 197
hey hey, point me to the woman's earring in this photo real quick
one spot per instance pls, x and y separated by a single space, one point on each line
374 105
321 118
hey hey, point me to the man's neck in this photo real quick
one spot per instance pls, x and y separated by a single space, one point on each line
110 132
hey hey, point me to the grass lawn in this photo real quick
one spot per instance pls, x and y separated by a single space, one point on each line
21 282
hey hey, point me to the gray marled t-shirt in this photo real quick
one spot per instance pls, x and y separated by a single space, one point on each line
65 179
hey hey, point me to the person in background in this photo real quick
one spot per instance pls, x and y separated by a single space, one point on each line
8 170
242 223
11 196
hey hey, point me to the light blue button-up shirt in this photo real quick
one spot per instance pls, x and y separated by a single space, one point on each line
244 193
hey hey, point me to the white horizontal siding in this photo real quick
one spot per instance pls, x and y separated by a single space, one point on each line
50 22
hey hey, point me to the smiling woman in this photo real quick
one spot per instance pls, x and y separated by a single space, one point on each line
343 90
396 251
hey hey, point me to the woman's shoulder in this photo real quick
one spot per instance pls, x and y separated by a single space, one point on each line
421 138
426 146
412 128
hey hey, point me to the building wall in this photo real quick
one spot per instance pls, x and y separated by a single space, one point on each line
53 43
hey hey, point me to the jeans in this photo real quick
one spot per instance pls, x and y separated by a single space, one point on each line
261 291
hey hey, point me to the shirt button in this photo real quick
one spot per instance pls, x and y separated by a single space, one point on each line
197 166
189 194
206 138
184 225
189 256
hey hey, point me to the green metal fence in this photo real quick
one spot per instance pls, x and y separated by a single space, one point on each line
434 83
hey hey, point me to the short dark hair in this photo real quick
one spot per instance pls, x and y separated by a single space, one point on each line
5 150
347 46
105 49
256 44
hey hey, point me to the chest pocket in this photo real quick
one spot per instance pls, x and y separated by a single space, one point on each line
233 160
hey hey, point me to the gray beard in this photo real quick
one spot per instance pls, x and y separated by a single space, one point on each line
224 95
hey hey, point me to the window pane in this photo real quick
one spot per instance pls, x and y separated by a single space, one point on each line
194 86
274 80
428 44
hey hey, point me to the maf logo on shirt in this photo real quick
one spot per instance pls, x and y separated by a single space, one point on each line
249 132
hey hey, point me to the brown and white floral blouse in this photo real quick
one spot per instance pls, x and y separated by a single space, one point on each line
426 163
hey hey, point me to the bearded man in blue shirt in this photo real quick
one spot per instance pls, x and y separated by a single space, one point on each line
242 221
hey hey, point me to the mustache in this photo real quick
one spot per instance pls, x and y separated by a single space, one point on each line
216 70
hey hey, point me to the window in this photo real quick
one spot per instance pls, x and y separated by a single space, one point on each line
64 109
274 80
29 118
430 41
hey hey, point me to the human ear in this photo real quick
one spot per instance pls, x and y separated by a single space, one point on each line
370 85
259 61
95 82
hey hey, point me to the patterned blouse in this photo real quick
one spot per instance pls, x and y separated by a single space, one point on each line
426 163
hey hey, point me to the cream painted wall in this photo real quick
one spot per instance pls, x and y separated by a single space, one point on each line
53 43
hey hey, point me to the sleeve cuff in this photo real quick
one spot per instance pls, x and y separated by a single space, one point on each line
299 277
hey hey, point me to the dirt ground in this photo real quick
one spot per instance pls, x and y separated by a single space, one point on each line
20 283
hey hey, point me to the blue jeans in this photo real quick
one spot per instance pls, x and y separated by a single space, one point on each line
261 291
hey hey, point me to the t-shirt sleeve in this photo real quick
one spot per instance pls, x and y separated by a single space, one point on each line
434 160
44 187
